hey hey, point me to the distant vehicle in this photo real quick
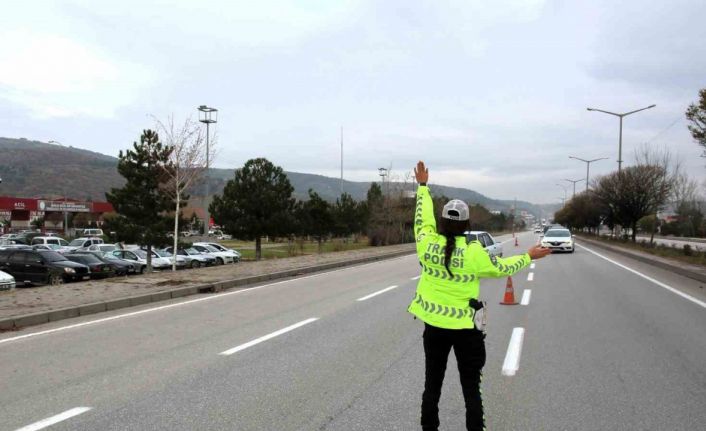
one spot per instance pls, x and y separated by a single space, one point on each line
41 267
552 226
494 249
219 234
92 232
222 256
7 282
538 229
193 257
83 243
98 268
558 240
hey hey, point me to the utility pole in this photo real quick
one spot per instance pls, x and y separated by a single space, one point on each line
341 160
588 163
620 136
206 116
574 182
563 187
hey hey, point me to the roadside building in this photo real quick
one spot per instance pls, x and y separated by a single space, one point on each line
20 212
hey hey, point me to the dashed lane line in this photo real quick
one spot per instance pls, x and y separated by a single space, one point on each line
44 423
416 278
532 265
514 351
269 336
530 276
646 277
377 293
526 296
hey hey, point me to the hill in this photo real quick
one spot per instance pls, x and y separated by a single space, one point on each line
37 169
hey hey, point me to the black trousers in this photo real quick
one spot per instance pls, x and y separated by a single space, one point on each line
469 348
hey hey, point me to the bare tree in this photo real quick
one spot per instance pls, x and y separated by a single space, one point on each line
187 164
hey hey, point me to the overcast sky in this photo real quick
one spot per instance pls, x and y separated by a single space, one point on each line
492 95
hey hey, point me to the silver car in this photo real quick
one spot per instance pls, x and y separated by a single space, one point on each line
493 247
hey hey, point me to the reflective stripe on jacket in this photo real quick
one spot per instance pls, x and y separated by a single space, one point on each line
442 299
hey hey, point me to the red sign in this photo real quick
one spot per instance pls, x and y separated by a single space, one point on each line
17 204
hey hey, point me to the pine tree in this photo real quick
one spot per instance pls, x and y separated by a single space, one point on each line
257 202
142 206
317 217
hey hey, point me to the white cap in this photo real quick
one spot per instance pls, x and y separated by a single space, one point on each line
455 210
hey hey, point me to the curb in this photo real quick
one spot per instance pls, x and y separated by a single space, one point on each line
658 262
17 322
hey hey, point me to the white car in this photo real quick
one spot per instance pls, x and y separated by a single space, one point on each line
61 244
103 248
7 282
222 257
233 253
493 247
83 243
180 261
558 240
139 258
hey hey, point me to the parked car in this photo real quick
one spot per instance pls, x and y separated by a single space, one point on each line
180 261
102 248
7 282
98 268
493 247
41 266
92 232
229 255
558 240
221 256
193 257
121 267
139 257
61 244
83 243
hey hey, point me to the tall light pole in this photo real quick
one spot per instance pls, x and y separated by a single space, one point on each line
208 116
63 192
563 200
620 136
563 187
383 173
341 160
574 182
588 163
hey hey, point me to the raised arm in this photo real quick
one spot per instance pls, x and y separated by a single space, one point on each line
494 267
424 222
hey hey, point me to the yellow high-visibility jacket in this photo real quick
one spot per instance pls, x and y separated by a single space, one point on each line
442 299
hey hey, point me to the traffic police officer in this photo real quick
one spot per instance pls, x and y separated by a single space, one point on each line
447 300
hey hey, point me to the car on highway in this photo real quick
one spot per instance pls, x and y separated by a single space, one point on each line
558 240
494 248
41 267
234 253
193 257
538 229
7 282
222 256
97 267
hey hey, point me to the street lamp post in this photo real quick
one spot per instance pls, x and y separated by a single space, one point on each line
208 116
574 182
620 137
63 192
383 173
588 163
563 187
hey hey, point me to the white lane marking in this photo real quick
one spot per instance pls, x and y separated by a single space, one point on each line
190 301
416 278
530 276
376 293
526 296
514 350
55 419
646 277
237 349
532 265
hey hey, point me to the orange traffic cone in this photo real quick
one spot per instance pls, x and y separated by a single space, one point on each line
509 298
517 244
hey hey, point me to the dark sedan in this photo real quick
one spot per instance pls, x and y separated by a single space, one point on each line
98 268
122 267
41 267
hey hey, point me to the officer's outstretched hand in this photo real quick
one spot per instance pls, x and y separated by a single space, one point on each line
538 252
421 173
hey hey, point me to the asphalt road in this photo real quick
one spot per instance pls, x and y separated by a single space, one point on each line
604 349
